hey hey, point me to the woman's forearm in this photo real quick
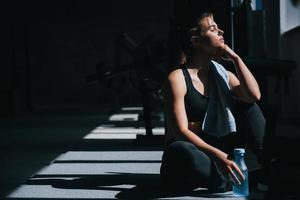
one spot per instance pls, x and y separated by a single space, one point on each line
248 83
202 145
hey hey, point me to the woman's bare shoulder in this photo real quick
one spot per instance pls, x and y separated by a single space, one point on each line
175 75
176 82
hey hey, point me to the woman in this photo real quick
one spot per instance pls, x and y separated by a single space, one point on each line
195 157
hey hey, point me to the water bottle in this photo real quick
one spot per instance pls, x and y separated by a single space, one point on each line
243 189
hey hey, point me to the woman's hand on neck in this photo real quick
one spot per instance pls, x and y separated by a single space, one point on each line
226 53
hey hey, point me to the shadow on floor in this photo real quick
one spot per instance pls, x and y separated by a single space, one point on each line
146 186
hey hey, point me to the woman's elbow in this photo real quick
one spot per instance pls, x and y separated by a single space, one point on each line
257 95
254 98
251 98
183 130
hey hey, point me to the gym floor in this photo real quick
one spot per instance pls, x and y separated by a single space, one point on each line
93 154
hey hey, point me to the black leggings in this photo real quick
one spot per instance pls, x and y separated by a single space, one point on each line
184 166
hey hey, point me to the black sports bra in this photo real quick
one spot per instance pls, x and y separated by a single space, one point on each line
195 102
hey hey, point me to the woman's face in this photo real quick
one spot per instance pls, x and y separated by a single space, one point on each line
211 37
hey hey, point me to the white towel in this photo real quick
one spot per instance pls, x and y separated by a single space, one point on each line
219 120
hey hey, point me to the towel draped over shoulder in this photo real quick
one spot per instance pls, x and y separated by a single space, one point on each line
219 120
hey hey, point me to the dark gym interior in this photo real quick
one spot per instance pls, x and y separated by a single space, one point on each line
81 112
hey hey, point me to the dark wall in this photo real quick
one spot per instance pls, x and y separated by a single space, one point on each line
272 22
50 47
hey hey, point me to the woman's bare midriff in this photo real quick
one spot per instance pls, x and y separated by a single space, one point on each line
195 127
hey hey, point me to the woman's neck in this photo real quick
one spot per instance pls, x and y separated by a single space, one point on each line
201 62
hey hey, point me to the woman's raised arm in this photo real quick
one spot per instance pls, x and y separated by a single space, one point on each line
244 85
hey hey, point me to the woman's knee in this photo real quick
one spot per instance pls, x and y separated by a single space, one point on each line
175 160
251 120
185 155
180 146
181 150
183 161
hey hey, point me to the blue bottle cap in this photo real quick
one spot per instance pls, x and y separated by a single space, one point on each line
239 150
